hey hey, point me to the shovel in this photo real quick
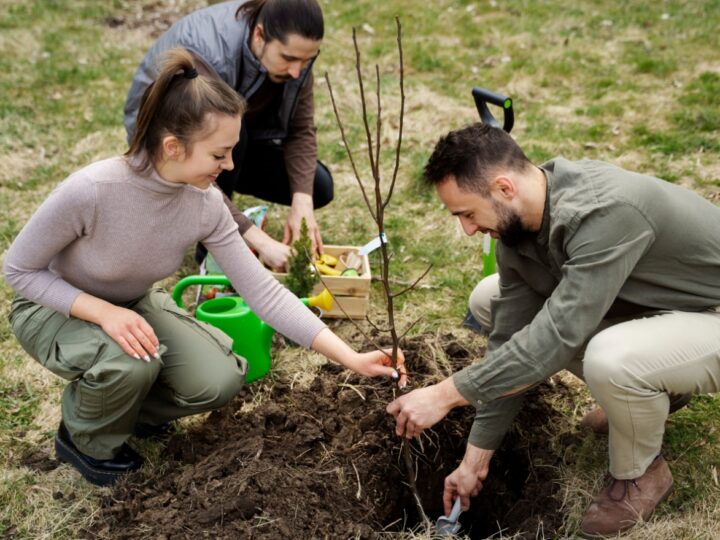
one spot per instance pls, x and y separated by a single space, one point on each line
449 525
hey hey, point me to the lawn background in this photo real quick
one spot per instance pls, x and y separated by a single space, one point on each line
633 82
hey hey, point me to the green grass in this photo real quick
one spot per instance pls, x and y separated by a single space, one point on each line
633 82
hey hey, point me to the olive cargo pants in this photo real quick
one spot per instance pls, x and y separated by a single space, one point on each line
631 365
109 391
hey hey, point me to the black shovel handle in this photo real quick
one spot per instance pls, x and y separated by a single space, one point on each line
483 97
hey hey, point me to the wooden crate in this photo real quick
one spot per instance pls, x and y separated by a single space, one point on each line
352 293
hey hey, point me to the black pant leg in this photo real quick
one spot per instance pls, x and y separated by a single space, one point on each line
264 176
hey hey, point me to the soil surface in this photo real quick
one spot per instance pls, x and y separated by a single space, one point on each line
323 462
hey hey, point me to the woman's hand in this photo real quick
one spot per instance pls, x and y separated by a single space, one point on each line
379 363
132 332
128 329
372 364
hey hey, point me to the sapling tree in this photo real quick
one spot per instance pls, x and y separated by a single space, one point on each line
377 202
301 279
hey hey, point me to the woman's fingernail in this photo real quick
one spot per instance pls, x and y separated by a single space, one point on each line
157 355
136 356
146 358
395 375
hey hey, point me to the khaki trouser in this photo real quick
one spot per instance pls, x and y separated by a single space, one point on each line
110 391
631 365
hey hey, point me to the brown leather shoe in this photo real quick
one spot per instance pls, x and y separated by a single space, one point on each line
623 503
595 420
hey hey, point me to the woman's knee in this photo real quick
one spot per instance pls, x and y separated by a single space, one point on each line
215 387
480 300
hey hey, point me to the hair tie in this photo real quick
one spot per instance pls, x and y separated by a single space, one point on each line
190 73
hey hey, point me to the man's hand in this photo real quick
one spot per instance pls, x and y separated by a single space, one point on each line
271 252
467 480
302 207
423 408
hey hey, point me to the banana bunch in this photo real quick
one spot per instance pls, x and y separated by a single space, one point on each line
326 265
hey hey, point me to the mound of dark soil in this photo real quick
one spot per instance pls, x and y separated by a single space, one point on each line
323 462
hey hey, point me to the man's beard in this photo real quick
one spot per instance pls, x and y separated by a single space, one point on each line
510 228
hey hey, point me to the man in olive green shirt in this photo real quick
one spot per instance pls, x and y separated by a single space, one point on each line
610 274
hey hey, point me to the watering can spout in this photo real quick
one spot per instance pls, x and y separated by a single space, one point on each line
322 301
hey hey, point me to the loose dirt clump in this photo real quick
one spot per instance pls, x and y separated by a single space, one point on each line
323 462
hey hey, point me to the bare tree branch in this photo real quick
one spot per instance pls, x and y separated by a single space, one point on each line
373 165
409 288
347 148
375 326
379 120
402 113
407 330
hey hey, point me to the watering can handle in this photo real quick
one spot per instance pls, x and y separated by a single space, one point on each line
324 300
186 282
483 96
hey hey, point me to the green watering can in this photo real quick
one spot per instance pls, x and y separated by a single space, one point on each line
251 336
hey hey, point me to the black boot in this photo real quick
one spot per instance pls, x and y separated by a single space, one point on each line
153 433
101 472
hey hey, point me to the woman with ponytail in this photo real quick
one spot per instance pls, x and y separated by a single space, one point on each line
264 49
84 266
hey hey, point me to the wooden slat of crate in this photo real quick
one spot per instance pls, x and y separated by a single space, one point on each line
356 307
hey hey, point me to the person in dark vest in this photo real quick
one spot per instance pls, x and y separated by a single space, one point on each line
265 50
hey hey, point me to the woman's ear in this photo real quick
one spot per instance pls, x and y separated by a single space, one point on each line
173 149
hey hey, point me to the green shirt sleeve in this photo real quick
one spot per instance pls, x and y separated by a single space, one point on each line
514 309
492 420
602 247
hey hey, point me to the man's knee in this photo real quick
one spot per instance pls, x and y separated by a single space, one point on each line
480 300
608 359
323 189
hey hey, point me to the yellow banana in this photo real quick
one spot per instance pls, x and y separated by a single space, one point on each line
328 259
327 270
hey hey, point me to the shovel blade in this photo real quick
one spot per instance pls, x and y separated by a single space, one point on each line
445 527
449 525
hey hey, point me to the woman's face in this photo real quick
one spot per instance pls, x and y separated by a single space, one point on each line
202 161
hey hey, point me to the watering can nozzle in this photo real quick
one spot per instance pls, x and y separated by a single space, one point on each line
322 301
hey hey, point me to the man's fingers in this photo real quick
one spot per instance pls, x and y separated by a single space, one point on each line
318 243
286 234
449 495
393 408
401 424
